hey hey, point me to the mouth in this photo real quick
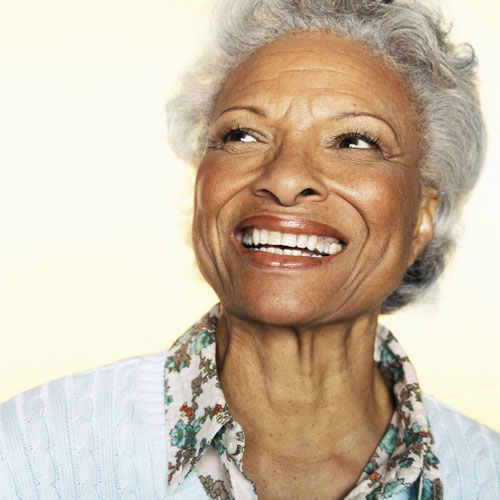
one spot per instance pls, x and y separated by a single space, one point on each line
288 242
298 245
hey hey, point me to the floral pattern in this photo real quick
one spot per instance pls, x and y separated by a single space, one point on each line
215 489
205 438
405 453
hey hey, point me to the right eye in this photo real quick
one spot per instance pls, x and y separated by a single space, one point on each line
239 135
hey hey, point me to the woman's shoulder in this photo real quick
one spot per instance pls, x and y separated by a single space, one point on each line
126 378
468 451
100 433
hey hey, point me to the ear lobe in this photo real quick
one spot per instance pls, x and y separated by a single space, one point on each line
424 226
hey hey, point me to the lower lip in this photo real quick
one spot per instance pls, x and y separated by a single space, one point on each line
273 261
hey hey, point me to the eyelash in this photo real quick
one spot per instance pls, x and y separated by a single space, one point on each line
231 130
222 138
364 136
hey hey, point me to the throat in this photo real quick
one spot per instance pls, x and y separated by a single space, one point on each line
311 403
321 464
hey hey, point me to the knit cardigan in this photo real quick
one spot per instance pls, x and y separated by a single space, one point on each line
101 435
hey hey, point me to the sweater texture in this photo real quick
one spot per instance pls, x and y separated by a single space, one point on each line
101 435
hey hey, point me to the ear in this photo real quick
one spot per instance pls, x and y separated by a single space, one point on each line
424 226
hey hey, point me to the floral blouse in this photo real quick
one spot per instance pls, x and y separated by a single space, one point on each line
204 437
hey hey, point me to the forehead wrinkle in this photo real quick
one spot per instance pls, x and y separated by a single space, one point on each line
351 71
357 50
323 54
290 68
348 77
327 89
262 60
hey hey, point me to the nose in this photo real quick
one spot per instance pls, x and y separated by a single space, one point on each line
290 179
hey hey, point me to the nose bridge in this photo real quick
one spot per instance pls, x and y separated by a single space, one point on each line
290 177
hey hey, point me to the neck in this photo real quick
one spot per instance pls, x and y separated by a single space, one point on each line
285 381
298 366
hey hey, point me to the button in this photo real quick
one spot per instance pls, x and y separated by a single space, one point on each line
230 443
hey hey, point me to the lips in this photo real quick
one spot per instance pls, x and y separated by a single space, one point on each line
291 225
273 241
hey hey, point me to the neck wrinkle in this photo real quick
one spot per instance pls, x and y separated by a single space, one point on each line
281 369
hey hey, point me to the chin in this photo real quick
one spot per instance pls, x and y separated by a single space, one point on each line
283 310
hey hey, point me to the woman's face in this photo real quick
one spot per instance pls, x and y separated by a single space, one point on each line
308 205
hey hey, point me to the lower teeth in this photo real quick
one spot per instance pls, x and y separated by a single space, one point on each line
279 251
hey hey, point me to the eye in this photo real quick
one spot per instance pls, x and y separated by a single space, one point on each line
238 135
357 141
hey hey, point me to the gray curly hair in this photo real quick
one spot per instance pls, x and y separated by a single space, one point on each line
409 34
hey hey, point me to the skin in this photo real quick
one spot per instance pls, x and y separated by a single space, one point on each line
295 346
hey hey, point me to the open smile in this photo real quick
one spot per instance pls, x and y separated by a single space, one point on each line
263 240
290 243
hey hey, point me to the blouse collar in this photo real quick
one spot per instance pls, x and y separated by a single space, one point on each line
196 413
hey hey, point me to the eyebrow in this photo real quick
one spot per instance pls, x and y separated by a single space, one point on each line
251 109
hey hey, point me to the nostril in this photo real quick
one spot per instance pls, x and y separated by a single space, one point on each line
307 192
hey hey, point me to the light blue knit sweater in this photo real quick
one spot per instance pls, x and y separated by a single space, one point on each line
102 435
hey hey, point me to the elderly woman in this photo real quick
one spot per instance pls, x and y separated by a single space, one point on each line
334 142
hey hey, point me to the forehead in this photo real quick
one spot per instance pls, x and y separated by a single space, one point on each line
319 70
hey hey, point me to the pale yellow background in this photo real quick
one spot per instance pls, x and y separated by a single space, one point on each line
93 264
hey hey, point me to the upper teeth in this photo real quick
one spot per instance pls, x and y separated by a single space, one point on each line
321 244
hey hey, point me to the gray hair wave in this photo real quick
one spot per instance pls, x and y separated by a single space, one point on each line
408 33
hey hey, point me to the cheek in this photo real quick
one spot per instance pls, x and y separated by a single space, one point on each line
387 200
217 181
206 190
390 201
216 189
210 195
205 204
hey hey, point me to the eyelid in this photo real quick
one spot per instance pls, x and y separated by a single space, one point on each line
232 130
256 134
364 136
367 121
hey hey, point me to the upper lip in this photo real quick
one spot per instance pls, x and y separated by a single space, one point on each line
293 225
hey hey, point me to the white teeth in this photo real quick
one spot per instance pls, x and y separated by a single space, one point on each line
274 238
295 252
289 240
311 242
335 248
255 236
263 236
320 246
302 241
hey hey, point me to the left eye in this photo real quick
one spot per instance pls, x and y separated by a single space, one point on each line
357 143
239 136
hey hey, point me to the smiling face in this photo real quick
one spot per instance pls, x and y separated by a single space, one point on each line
308 205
